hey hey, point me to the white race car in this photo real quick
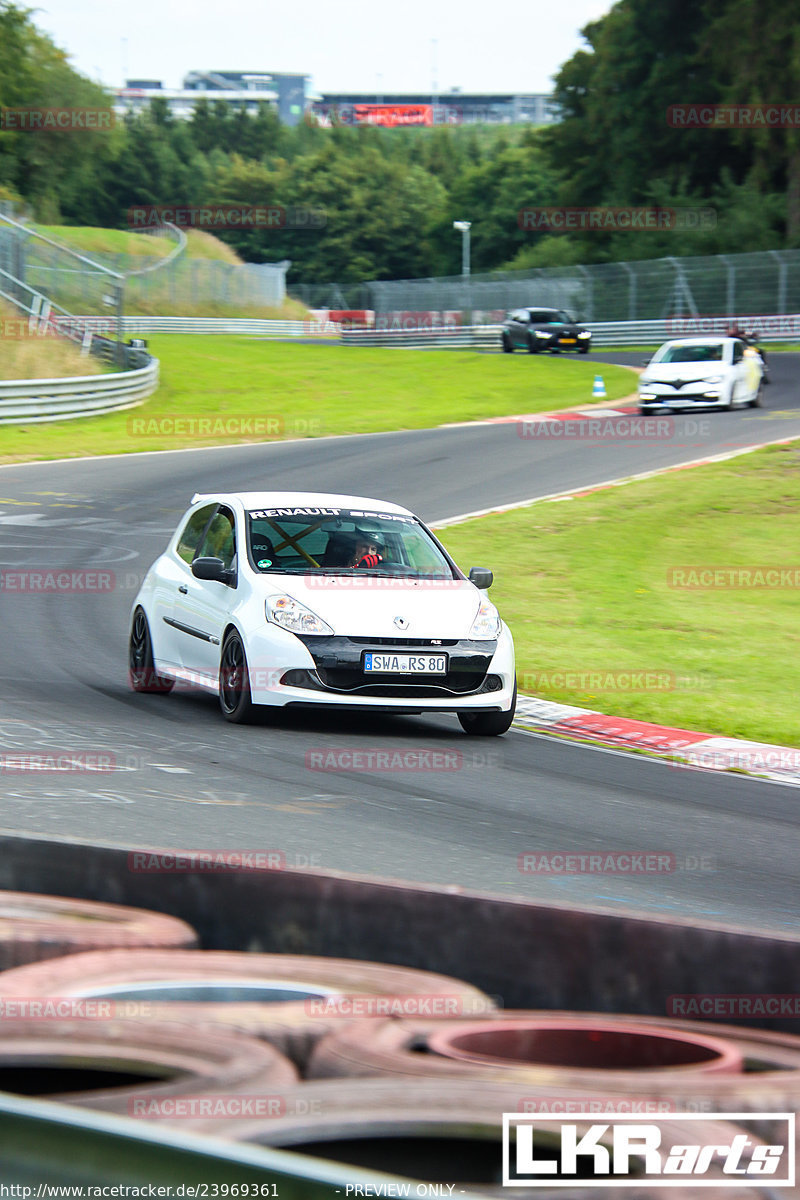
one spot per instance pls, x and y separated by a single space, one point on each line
303 598
710 372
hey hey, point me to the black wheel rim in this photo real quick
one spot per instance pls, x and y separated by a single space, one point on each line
140 645
233 674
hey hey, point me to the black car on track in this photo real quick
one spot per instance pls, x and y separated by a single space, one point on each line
535 329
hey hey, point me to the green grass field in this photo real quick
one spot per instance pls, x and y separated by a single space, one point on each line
88 240
586 587
297 390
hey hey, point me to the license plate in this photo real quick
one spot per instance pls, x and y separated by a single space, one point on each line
405 664
568 341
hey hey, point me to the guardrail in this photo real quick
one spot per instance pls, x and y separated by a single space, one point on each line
253 326
25 401
604 333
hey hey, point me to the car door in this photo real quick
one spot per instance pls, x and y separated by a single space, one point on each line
519 329
203 606
739 393
173 573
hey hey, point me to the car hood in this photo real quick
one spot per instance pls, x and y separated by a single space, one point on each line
687 371
368 605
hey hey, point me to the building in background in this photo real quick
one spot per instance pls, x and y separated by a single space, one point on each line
289 95
451 108
285 92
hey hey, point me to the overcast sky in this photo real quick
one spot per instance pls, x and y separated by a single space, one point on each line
342 44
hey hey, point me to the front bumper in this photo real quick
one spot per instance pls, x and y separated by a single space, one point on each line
328 671
712 397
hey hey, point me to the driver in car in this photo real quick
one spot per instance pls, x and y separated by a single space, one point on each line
367 550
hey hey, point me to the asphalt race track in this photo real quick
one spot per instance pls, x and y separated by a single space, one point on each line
182 777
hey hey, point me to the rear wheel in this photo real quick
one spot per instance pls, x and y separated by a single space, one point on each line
489 724
234 681
508 345
141 668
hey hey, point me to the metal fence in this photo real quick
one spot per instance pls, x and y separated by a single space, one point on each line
646 289
150 283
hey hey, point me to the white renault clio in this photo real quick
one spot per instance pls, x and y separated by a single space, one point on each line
304 598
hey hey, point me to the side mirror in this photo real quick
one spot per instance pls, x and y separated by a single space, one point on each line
214 569
482 577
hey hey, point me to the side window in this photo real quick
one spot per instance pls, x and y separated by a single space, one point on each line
738 352
187 543
220 540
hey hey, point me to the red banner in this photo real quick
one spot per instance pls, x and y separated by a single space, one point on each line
393 114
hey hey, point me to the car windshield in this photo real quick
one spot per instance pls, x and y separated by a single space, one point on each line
544 316
306 540
710 352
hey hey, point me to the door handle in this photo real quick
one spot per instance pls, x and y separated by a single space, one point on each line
183 588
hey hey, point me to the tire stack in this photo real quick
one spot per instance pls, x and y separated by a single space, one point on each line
373 1065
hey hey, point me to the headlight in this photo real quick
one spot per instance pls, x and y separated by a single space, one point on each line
487 622
290 614
541 333
585 334
714 379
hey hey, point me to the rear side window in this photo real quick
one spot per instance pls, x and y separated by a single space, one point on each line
192 530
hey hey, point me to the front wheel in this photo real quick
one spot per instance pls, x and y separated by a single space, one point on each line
758 399
489 724
583 349
141 668
533 345
234 681
508 345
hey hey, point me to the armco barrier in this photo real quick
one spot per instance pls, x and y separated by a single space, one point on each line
252 326
23 401
771 328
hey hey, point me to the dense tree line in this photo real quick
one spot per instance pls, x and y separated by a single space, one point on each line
390 195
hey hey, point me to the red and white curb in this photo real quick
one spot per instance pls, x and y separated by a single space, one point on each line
681 747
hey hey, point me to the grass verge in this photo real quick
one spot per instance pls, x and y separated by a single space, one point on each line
30 355
587 590
300 390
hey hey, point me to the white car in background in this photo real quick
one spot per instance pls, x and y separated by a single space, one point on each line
302 598
702 372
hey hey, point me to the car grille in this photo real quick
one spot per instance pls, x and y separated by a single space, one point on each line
400 641
396 687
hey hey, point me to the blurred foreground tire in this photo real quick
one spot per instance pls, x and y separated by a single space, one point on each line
35 927
443 1132
290 1000
134 1068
